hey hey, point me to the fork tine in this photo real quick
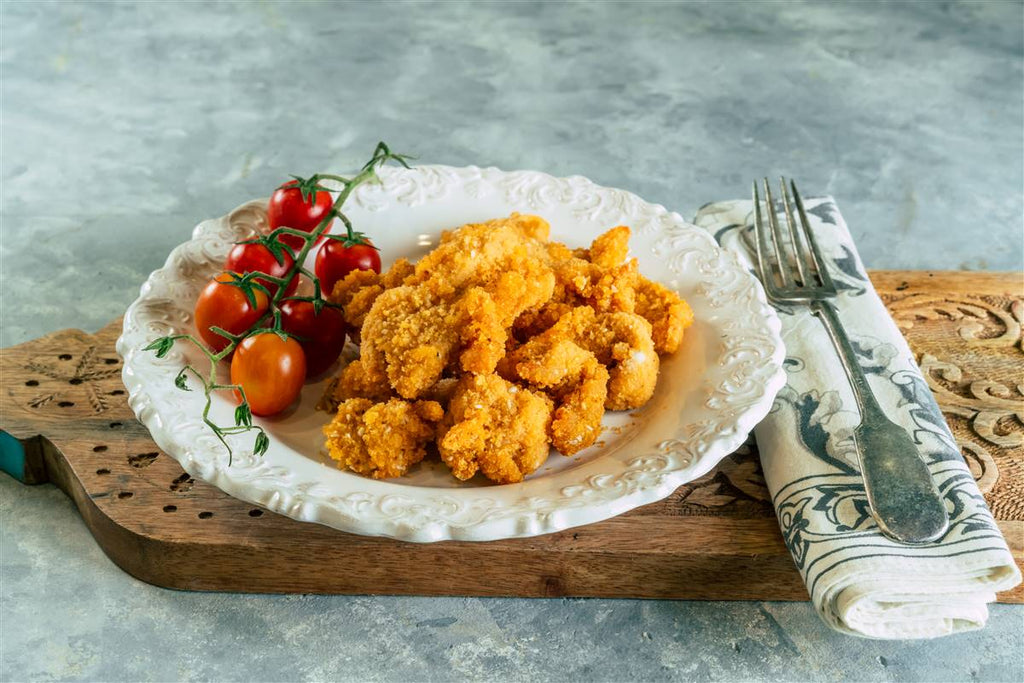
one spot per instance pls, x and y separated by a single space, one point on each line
761 241
798 250
819 261
773 222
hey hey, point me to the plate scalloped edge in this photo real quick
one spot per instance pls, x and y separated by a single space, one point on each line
751 361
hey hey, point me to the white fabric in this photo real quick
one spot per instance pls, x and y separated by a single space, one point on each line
861 582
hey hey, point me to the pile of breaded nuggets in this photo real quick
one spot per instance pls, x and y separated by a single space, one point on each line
495 346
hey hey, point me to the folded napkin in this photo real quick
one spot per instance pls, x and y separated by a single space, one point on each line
861 582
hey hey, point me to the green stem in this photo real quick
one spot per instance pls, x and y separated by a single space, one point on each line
277 232
348 225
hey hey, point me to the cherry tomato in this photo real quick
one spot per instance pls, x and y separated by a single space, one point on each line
324 333
253 257
227 307
270 370
287 209
334 261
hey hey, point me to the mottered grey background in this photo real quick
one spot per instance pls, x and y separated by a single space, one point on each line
124 125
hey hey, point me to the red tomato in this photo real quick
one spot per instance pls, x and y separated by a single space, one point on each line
270 370
334 261
287 209
253 257
227 307
324 333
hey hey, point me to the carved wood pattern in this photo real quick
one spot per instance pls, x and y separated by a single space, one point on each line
714 538
969 347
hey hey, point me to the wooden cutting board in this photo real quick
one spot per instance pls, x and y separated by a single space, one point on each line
715 538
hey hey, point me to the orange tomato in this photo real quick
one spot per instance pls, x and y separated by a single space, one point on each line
270 370
226 306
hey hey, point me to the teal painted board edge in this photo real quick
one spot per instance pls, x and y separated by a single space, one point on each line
12 456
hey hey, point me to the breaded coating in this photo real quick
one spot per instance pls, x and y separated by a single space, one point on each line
397 274
533 227
621 342
613 291
667 312
481 331
526 225
381 440
408 336
557 251
516 291
355 382
577 421
580 282
412 335
348 286
599 277
356 293
633 367
609 250
494 427
578 383
477 254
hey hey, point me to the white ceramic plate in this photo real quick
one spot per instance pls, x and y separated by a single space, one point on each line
710 393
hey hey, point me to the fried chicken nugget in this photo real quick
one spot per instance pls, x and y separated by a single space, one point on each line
411 335
578 383
381 440
633 370
494 427
407 337
613 284
580 282
668 313
621 342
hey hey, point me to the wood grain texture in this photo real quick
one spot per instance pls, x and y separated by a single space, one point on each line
714 538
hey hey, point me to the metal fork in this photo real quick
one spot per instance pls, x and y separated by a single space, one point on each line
901 492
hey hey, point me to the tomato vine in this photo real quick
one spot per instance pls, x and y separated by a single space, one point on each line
249 282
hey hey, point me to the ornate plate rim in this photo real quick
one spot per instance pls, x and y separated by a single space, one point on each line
383 508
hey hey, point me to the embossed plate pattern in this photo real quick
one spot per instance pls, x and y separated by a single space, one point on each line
710 394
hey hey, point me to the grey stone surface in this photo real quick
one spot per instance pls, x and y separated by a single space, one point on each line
69 613
122 126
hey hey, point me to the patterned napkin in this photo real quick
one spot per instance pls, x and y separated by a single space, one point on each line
861 582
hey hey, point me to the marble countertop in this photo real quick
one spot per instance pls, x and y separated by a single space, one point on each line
124 125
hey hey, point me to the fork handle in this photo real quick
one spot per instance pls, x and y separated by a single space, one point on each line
900 489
